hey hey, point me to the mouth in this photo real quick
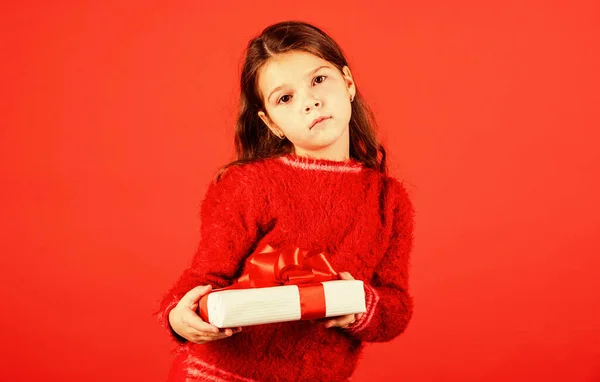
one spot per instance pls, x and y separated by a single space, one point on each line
320 119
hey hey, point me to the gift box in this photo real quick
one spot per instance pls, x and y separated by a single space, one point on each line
283 285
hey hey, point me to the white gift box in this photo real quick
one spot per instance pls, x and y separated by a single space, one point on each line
255 306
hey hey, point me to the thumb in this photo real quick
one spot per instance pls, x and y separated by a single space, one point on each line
196 294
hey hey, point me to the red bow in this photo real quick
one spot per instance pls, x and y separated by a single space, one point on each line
290 266
268 267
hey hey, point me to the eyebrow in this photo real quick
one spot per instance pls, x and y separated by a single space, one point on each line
307 75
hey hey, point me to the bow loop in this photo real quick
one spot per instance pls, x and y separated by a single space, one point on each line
268 266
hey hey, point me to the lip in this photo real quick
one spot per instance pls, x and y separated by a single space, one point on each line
318 120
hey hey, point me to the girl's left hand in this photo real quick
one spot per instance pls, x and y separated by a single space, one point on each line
343 321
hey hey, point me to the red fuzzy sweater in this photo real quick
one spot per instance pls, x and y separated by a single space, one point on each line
361 218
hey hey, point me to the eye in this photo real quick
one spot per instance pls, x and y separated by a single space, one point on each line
320 77
279 101
286 95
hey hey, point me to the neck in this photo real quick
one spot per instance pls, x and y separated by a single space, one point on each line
337 151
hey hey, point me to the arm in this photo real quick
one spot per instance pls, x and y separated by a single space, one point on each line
388 302
229 228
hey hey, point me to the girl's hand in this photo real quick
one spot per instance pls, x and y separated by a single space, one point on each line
343 321
189 325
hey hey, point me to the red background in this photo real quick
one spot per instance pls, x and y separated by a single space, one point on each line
115 116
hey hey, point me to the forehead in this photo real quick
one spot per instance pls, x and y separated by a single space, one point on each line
287 68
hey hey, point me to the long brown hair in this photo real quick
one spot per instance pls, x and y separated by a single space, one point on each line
253 140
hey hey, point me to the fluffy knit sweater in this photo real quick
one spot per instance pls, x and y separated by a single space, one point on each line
360 217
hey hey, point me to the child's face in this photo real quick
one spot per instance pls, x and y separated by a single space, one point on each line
304 96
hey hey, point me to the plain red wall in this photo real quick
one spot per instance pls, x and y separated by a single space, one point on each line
115 116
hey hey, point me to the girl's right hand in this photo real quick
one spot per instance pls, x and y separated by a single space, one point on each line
189 325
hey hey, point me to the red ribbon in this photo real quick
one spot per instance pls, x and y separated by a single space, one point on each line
268 267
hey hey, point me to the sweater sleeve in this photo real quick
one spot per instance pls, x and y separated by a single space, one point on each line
229 216
388 302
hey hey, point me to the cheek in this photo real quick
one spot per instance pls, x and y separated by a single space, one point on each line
333 93
286 119
331 87
279 115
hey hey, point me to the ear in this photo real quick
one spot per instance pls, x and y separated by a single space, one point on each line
269 123
349 81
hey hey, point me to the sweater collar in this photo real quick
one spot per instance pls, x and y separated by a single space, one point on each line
308 163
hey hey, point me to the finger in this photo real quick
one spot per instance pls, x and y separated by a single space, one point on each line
341 322
204 339
192 297
221 333
194 321
347 322
332 323
228 332
328 323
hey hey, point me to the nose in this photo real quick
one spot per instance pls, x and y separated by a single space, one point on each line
316 104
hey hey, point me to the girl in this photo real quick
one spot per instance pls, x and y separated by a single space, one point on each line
307 175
